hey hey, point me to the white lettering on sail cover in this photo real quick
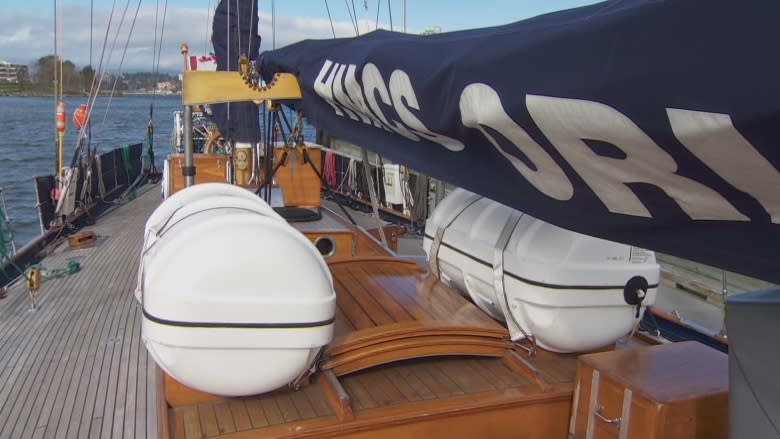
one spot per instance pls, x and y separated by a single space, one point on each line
714 140
339 95
374 84
401 90
323 86
355 98
338 86
566 122
480 107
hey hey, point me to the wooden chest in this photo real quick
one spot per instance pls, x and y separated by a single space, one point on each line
677 390
208 168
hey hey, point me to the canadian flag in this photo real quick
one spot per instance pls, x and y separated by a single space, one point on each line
203 62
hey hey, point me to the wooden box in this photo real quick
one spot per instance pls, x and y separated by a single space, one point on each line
208 168
300 184
676 390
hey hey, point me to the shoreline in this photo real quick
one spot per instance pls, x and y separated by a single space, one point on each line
28 94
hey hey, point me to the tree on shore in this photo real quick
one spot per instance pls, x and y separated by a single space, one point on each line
46 67
22 76
87 77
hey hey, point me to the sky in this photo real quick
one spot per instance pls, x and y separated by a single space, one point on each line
27 26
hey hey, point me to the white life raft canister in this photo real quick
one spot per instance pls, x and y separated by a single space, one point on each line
235 300
570 292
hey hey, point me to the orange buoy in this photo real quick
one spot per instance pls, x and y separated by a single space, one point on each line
59 117
80 117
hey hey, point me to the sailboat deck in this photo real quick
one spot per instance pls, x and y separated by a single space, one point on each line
388 310
76 367
409 356
400 394
409 353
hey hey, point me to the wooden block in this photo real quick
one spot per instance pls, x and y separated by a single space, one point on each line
208 168
335 395
179 395
300 184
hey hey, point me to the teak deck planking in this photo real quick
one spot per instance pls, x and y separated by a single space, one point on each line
76 367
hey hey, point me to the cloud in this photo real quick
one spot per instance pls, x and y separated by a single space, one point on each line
25 37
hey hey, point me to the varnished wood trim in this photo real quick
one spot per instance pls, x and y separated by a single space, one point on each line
162 406
625 414
550 409
395 331
593 404
337 397
519 364
417 347
176 423
178 395
575 403
409 264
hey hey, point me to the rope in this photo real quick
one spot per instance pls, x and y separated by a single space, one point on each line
307 159
72 267
329 171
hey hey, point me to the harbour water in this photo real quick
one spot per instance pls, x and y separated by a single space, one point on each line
27 146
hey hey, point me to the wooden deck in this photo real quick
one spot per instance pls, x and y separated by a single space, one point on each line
387 310
410 357
76 367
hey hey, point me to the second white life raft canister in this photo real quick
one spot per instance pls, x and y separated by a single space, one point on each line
235 300
570 292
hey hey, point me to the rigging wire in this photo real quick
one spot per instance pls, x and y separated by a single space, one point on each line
207 41
60 36
273 24
390 14
354 12
96 83
378 5
56 52
353 19
252 28
110 54
238 29
331 19
227 106
158 44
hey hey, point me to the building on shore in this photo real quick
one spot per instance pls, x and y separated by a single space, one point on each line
9 72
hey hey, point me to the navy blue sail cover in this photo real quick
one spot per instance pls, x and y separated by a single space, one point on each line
234 33
654 123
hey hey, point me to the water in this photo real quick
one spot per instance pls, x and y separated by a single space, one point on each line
27 146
